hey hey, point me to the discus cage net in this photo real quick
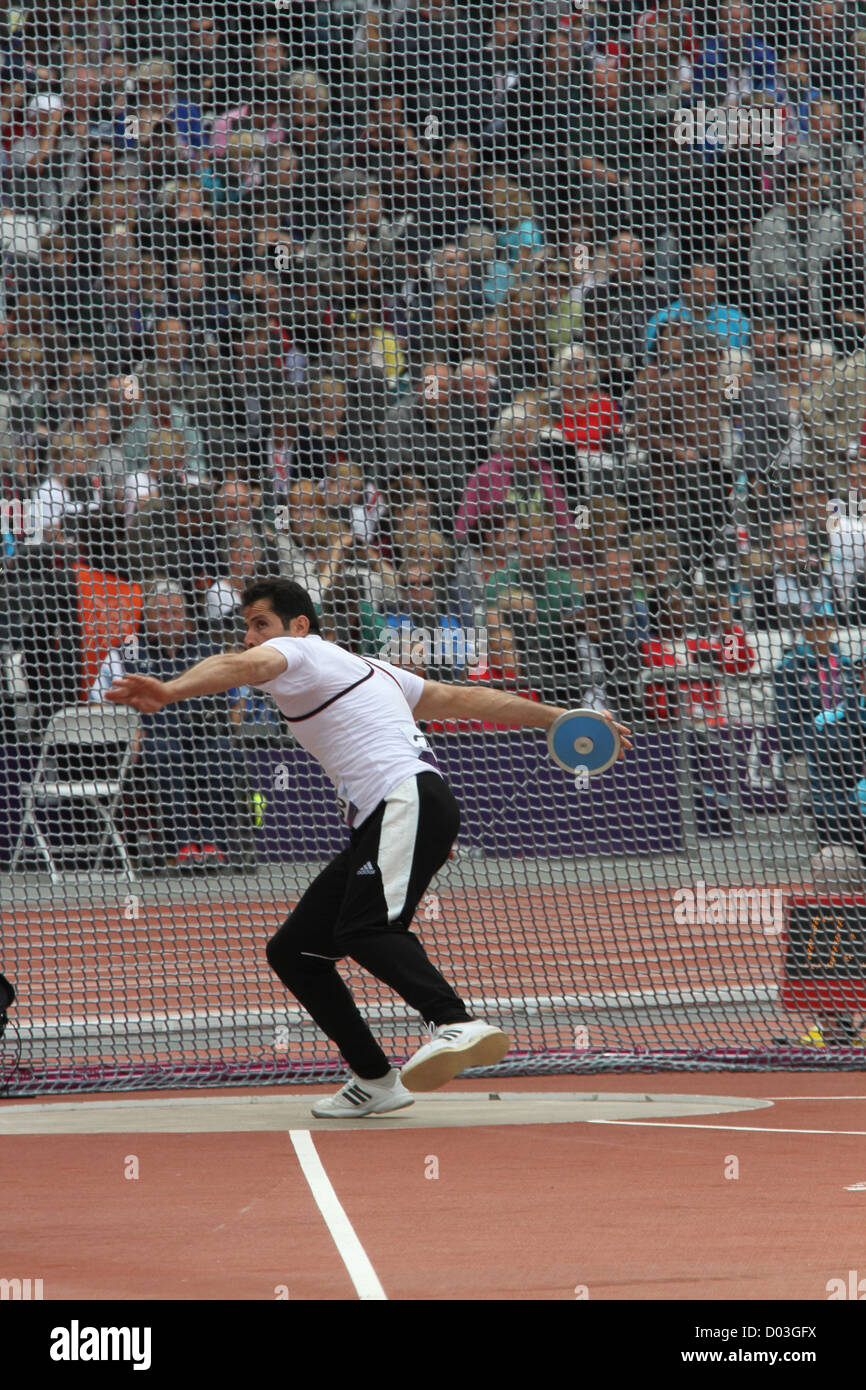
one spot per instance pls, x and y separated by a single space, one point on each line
529 337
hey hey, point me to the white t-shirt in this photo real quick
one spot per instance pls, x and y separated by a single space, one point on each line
353 714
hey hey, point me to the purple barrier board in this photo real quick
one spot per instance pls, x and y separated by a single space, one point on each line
715 759
514 800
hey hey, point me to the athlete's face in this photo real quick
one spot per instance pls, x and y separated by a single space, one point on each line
263 623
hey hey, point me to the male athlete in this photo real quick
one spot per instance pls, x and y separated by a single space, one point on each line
357 716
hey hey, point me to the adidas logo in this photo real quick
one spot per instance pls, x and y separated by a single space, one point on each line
367 868
356 1094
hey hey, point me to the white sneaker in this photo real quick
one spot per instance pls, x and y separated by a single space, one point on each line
359 1097
452 1048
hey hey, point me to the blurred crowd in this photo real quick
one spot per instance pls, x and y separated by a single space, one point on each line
424 306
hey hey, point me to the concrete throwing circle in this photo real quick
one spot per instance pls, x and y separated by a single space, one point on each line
242 1114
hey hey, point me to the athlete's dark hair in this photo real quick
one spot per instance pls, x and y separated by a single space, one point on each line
288 600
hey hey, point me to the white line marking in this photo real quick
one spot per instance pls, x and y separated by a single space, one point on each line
863 1097
856 1187
746 1129
349 1248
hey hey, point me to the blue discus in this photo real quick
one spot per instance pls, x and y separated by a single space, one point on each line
583 739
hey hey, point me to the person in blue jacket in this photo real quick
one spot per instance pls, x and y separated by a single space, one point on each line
812 677
733 63
836 758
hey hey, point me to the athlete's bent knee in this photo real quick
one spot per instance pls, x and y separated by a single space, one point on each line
289 962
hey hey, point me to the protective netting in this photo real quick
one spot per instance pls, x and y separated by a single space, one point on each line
529 337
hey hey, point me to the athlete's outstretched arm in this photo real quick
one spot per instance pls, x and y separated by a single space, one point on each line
441 700
209 677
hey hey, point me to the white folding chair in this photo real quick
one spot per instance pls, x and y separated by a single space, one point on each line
67 774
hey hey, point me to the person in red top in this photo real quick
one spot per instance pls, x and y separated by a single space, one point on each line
726 650
13 114
590 420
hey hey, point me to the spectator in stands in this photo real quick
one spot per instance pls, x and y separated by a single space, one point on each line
158 398
150 123
71 487
827 38
249 387
679 419
321 440
603 145
175 536
352 502
833 408
23 402
124 318
795 93
589 421
766 412
846 529
843 284
509 209
787 248
185 777
526 309
420 628
316 147
267 116
798 580
734 62
441 432
550 101
610 662
497 83
698 305
192 299
514 472
541 602
812 677
616 312
91 413
392 155
491 344
830 143
222 600
231 180
166 459
182 222
435 49
44 163
263 297
311 549
836 759
412 518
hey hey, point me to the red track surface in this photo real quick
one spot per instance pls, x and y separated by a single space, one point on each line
516 1212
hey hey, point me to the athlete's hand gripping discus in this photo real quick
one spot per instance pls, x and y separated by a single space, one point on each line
585 739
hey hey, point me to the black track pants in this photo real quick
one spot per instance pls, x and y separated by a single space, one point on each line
361 905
